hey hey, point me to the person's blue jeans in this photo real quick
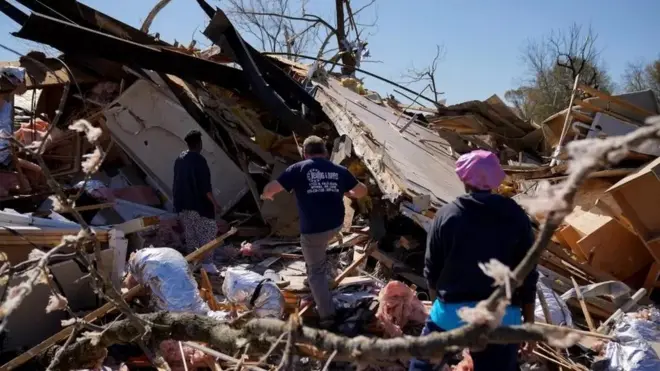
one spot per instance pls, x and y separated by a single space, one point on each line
494 357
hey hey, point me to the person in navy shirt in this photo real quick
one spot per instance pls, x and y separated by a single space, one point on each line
319 186
472 229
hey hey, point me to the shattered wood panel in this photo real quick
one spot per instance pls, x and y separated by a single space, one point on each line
586 221
282 212
466 124
151 127
615 250
638 196
36 77
415 162
505 113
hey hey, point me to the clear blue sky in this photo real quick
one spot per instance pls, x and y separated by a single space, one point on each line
483 39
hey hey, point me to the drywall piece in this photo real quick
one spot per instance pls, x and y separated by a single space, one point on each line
606 126
150 127
614 249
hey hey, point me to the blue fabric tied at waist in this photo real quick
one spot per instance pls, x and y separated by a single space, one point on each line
445 315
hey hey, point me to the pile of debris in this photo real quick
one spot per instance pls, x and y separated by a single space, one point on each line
142 96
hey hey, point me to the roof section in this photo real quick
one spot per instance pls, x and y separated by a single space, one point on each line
415 162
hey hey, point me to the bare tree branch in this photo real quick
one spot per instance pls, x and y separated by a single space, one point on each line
152 15
260 333
427 73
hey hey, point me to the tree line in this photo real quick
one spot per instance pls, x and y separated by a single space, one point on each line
551 63
554 61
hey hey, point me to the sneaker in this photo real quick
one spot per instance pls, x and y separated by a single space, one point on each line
328 324
210 268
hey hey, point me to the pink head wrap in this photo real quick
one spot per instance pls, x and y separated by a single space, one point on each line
480 169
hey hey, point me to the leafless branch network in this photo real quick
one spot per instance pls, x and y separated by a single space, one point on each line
427 74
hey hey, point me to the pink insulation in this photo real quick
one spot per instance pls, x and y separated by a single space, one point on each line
195 359
398 306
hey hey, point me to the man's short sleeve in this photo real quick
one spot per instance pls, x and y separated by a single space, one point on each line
289 177
348 180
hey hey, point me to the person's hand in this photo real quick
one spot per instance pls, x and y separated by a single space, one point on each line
528 347
264 197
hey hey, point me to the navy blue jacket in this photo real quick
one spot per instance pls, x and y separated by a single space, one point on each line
472 229
192 183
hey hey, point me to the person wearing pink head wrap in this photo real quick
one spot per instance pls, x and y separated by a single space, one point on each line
472 229
480 170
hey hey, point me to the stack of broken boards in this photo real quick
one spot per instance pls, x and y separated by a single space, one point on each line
612 234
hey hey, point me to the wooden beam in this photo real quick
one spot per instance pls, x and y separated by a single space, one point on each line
594 108
583 305
616 100
37 78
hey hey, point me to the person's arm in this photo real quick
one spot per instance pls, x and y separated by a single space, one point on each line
359 191
434 258
204 177
352 187
271 189
129 281
285 182
527 290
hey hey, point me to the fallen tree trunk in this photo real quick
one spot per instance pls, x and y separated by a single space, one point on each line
259 333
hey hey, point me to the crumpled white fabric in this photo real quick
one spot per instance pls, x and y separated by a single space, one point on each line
166 273
239 286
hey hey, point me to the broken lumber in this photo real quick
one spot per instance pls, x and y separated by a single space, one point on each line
370 247
105 309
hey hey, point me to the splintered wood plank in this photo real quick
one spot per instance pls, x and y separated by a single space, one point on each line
616 100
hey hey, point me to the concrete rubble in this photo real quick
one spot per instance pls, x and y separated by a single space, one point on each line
145 95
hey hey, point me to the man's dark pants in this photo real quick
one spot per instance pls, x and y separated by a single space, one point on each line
494 358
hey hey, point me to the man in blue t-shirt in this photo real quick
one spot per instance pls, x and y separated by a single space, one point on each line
319 186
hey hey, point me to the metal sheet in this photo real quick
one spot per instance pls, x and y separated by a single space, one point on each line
74 39
151 126
223 34
415 162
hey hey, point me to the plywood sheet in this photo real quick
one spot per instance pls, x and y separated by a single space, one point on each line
570 236
638 195
150 126
586 222
614 249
